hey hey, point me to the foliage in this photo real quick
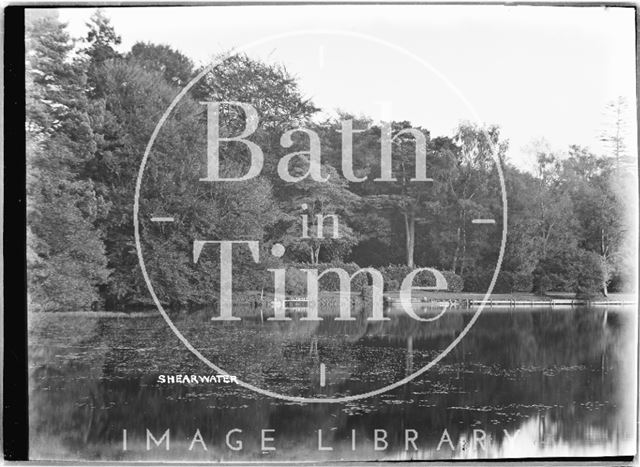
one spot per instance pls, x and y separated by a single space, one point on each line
574 270
510 282
175 67
89 117
333 202
330 282
66 260
395 274
101 38
455 283
101 42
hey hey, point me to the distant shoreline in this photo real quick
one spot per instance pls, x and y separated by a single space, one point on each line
453 296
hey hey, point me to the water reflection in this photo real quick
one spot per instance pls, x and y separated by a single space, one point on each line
529 382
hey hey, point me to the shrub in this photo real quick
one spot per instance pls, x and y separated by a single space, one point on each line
455 283
509 282
478 281
522 282
394 274
588 270
391 284
575 270
297 280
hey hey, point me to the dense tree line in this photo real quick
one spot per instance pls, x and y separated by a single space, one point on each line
91 110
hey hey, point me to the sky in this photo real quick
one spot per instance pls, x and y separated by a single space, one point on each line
540 73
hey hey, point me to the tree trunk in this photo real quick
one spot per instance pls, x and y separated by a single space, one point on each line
316 258
464 242
412 243
454 263
410 231
603 254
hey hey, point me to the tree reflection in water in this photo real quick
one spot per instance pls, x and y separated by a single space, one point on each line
564 379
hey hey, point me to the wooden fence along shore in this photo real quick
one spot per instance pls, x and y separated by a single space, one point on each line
330 300
513 303
245 304
553 303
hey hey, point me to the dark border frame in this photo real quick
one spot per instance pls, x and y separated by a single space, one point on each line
15 431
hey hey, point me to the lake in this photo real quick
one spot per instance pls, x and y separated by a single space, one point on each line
521 383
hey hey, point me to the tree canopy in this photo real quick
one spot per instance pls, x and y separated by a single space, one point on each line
91 110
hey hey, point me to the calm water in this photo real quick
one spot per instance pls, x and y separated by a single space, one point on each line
561 382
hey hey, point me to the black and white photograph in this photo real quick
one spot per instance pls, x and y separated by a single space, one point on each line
326 233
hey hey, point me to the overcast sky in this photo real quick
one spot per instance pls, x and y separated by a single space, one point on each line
538 72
